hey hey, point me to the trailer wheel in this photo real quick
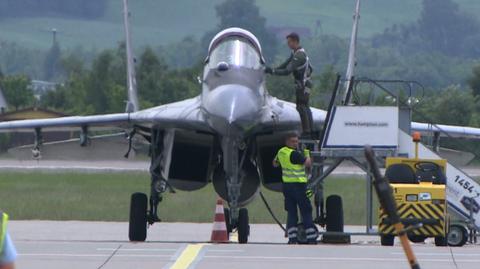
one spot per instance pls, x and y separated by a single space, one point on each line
440 241
137 228
334 209
387 239
457 236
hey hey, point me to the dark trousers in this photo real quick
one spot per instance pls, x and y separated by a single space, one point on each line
296 197
302 99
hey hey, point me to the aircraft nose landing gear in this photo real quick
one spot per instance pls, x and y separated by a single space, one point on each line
242 224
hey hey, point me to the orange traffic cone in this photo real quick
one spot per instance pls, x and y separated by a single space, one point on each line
219 231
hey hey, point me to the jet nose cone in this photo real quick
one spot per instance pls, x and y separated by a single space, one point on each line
233 105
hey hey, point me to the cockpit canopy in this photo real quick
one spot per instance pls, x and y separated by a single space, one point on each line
235 51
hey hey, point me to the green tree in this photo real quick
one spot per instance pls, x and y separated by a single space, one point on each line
17 91
451 105
151 72
445 27
474 80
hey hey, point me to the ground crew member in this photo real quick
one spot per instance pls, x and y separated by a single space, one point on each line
298 64
294 180
7 250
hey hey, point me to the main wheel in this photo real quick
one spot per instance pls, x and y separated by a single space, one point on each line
334 209
243 227
137 228
387 239
457 236
440 241
226 212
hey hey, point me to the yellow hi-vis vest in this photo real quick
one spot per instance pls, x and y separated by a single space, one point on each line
3 229
291 173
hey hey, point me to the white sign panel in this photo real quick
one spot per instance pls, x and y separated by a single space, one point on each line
356 126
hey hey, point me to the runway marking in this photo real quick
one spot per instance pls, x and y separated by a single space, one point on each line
335 259
188 256
138 249
90 255
440 254
225 250
233 237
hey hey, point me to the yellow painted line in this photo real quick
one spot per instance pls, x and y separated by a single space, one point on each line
233 237
189 254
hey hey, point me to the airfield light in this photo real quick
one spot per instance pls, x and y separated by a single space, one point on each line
416 138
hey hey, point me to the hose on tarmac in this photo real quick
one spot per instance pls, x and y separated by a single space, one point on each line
271 213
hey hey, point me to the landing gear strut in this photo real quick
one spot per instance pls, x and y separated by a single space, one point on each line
232 163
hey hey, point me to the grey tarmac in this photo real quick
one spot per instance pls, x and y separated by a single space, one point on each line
76 244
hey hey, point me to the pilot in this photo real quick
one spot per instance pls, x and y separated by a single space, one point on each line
7 250
298 64
294 180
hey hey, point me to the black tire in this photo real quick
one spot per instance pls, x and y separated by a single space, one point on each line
226 212
441 241
416 238
137 228
334 208
457 236
243 227
387 239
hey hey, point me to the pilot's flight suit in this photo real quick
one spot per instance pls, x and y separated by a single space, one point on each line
299 64
294 189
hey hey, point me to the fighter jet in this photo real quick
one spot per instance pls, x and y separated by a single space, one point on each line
227 136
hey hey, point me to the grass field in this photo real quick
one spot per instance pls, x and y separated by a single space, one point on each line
105 197
159 22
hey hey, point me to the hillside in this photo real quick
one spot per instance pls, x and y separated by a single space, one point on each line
157 22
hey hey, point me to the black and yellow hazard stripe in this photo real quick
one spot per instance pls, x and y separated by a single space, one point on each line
431 215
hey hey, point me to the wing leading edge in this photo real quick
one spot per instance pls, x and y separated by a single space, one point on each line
184 114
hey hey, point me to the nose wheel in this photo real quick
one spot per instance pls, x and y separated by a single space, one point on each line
243 226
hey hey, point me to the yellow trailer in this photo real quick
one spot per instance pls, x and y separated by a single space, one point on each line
418 186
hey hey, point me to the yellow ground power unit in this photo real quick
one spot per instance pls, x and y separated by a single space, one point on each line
418 186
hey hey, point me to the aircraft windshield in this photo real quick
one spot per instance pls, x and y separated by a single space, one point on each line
237 52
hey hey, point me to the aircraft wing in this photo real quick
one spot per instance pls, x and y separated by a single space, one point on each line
184 114
447 130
